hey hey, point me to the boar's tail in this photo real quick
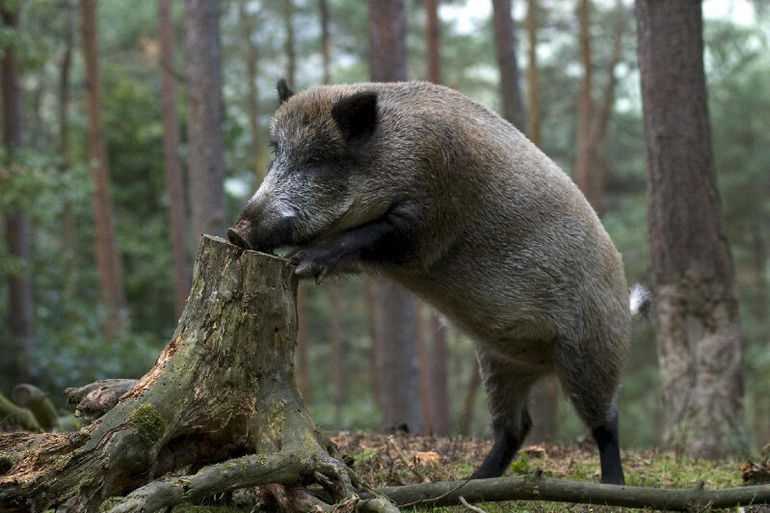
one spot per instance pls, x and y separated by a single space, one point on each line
640 300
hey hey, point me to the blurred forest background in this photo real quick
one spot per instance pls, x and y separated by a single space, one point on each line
97 258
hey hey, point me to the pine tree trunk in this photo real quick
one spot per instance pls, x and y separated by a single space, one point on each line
177 199
584 147
339 352
108 259
289 47
220 394
251 57
69 233
206 164
699 334
397 316
469 404
507 62
533 74
20 346
326 43
433 40
439 376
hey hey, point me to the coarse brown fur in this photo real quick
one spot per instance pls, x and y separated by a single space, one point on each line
471 216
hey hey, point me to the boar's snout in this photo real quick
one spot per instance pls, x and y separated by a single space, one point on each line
265 234
237 239
239 234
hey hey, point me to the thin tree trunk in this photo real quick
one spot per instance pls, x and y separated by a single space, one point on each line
435 366
760 310
69 235
533 74
505 46
583 159
289 46
433 40
19 348
206 164
699 334
544 397
339 353
177 201
469 404
424 357
439 376
375 353
326 43
247 23
107 257
590 168
397 316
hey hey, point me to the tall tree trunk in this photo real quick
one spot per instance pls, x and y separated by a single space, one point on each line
424 358
206 162
436 365
397 316
699 334
107 256
375 354
433 40
760 311
289 46
533 74
544 398
505 46
177 201
583 159
590 168
439 375
69 242
469 404
18 350
326 43
339 352
247 23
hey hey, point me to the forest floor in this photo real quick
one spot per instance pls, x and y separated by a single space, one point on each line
382 460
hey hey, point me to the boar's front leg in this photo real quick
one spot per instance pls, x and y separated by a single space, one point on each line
389 239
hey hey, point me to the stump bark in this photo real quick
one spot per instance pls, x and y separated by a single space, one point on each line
219 403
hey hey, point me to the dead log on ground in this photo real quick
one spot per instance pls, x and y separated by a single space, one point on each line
220 400
539 488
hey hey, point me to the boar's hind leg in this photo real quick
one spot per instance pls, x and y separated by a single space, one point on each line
507 389
591 384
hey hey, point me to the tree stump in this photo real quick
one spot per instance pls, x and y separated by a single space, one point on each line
220 404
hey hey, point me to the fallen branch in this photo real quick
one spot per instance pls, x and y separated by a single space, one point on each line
539 488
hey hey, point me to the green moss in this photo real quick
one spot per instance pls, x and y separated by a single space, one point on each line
148 423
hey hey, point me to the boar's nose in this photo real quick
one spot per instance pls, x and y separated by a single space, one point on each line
238 235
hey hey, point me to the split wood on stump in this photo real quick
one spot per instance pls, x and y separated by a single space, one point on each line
220 403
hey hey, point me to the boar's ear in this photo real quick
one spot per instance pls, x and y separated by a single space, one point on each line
284 93
356 115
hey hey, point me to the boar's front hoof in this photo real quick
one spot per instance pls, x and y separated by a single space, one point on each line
314 263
